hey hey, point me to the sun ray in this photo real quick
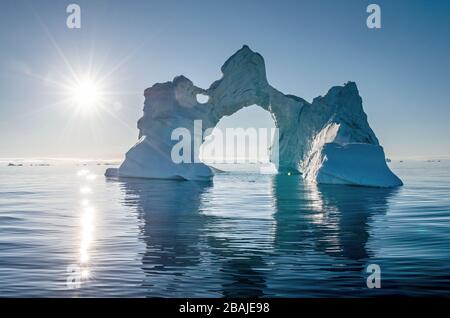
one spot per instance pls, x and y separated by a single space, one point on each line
56 46
83 87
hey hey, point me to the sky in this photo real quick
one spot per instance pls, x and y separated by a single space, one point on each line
402 69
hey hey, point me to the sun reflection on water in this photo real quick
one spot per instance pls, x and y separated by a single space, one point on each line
85 190
87 228
87 224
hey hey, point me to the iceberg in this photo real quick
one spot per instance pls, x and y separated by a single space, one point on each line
326 141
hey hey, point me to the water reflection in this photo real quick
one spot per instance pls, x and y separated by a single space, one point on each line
188 225
231 238
335 219
240 233
170 226
87 225
240 242
244 276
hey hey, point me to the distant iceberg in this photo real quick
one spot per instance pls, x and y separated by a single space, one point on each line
327 141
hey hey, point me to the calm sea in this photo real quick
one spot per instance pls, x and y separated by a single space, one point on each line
67 231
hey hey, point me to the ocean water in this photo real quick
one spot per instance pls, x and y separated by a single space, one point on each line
65 230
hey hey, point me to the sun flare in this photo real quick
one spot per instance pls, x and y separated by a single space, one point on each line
86 95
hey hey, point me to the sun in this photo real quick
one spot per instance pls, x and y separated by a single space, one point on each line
86 95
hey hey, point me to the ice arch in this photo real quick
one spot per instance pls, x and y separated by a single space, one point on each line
327 141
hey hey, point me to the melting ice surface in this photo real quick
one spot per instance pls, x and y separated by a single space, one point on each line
243 234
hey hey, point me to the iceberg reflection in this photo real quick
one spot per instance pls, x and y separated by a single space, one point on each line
335 218
170 228
238 234
240 230
192 233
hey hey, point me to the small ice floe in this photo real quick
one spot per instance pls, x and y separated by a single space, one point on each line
15 164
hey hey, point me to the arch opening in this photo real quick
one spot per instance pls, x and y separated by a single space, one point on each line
202 98
243 138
